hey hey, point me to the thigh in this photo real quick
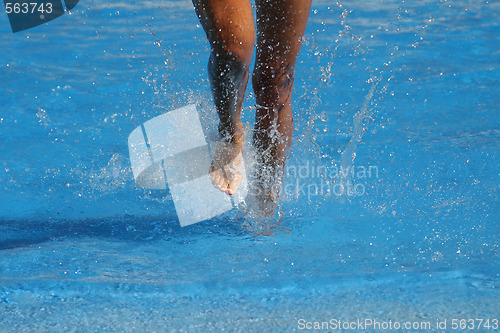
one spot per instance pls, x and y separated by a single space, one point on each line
228 24
280 27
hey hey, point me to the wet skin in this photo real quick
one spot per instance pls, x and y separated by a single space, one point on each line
229 26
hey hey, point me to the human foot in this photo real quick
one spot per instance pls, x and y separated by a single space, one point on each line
224 171
267 189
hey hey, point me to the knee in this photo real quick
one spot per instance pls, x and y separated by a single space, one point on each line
230 58
273 82
234 45
241 48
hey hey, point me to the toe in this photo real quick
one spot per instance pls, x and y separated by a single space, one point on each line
235 182
221 181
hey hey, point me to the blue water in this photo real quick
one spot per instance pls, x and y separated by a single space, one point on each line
403 93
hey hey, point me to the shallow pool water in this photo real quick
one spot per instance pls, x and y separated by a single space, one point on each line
403 95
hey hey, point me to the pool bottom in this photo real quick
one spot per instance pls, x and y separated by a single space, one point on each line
144 276
40 305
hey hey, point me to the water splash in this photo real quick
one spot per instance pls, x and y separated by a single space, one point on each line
115 175
360 125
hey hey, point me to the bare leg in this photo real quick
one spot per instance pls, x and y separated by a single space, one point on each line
280 27
230 30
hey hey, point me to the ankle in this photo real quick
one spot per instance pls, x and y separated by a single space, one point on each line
232 134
